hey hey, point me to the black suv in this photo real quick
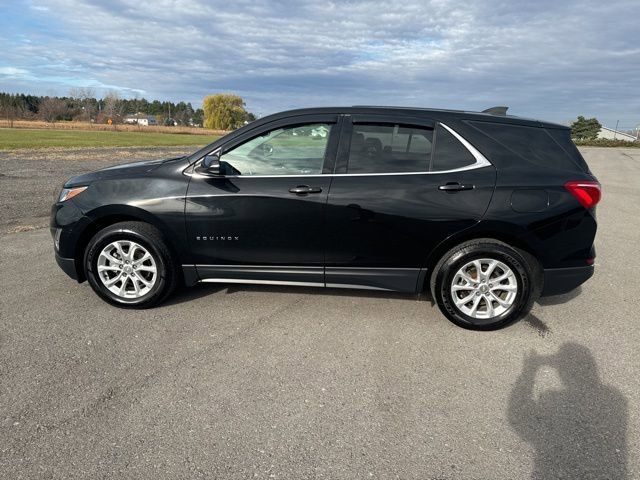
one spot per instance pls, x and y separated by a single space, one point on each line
485 210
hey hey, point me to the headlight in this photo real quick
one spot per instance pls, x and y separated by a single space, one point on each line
68 193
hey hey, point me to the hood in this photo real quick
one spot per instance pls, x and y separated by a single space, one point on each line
133 169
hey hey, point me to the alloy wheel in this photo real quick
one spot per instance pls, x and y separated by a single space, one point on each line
127 269
484 288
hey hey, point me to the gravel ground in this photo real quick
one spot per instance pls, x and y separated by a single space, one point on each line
36 176
275 382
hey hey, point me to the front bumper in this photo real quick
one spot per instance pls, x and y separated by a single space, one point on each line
68 266
562 280
66 225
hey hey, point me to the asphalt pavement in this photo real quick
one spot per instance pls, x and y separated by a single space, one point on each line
283 382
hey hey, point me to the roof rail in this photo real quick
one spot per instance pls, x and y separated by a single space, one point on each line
496 110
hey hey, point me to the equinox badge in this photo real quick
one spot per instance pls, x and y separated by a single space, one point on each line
219 237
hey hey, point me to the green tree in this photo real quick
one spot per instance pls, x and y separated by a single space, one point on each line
223 111
585 128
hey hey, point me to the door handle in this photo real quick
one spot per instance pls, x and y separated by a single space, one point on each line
455 187
304 189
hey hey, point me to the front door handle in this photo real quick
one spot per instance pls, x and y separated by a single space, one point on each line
304 189
455 187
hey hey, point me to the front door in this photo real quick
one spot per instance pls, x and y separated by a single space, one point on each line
402 186
261 219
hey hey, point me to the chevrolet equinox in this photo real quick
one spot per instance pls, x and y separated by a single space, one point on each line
486 211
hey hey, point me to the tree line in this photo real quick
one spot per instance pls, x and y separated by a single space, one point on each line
82 105
221 111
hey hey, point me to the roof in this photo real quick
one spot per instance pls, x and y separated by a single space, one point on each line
618 132
433 113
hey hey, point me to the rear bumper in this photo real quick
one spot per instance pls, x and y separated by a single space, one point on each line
562 280
68 266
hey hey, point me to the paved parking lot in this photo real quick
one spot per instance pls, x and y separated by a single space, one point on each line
278 382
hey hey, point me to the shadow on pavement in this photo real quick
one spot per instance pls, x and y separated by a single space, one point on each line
204 289
577 431
560 299
534 322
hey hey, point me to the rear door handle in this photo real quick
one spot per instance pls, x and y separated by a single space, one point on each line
455 187
304 189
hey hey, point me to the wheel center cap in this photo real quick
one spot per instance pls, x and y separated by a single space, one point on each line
484 288
127 269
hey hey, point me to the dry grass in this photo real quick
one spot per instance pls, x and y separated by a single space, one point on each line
23 228
101 127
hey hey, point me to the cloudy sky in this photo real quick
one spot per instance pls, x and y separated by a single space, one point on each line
547 59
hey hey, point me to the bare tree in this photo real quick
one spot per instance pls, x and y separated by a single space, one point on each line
11 108
113 106
85 96
52 108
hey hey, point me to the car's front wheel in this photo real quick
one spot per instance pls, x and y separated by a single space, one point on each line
129 265
484 284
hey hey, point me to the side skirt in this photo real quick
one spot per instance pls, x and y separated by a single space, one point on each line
389 279
394 279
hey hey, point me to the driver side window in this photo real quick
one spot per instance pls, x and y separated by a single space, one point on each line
295 150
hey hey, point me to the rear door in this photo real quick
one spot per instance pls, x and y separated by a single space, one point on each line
401 186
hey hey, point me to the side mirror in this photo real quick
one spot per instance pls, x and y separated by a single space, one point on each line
211 163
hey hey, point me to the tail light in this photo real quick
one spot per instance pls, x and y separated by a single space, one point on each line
587 192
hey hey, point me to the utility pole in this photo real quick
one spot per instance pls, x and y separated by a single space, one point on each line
615 132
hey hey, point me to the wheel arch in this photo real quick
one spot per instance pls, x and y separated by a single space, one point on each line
505 233
101 218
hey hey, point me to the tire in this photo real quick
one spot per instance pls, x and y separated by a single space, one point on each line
497 303
147 280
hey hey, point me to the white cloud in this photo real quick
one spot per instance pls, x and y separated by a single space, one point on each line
548 59
12 71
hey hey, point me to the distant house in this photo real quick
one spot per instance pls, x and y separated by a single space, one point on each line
611 134
148 120
139 119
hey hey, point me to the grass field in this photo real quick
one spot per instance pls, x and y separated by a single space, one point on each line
120 127
11 139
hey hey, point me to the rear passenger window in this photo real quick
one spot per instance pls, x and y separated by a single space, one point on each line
533 144
449 152
389 149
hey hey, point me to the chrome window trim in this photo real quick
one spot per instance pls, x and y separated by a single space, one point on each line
481 162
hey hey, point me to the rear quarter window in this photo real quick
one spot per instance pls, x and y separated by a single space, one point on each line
449 153
533 144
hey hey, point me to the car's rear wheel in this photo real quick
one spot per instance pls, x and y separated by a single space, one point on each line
129 265
484 284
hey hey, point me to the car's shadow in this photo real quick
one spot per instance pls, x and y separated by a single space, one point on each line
560 299
201 290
